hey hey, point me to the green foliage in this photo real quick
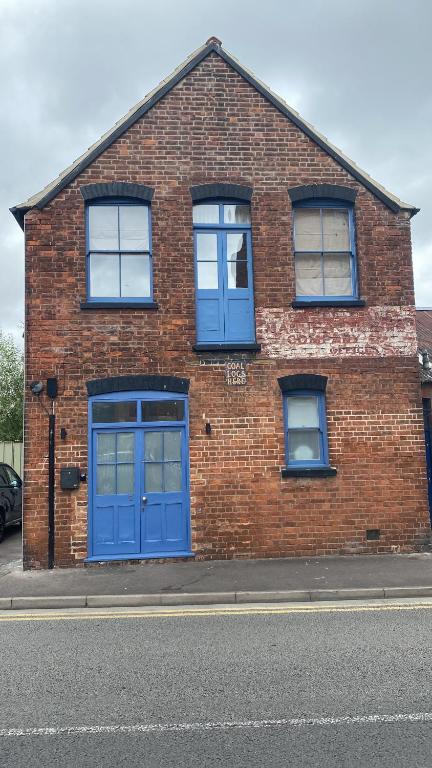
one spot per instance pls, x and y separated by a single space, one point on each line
11 389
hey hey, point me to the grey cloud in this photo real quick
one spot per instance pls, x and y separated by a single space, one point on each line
360 72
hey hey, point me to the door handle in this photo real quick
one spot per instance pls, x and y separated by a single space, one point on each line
144 498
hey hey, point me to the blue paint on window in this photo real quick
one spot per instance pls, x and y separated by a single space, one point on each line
223 272
323 253
119 270
306 443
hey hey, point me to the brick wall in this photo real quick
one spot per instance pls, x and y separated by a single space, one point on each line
213 126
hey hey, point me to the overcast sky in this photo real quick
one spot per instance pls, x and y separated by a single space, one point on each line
359 70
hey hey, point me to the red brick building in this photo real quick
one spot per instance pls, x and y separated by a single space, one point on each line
225 304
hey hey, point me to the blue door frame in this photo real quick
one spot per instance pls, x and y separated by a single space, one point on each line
136 512
427 414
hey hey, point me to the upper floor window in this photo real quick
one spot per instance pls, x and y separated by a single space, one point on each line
325 260
223 267
119 251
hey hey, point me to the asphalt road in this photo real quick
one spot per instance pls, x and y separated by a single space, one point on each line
218 689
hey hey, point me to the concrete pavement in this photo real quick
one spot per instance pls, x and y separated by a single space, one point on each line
343 689
208 582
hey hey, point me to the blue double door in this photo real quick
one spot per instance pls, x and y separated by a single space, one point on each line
140 492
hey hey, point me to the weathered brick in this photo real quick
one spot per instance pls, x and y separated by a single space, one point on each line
213 126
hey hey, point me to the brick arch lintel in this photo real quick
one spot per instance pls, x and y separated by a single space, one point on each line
137 383
213 191
313 191
297 381
117 189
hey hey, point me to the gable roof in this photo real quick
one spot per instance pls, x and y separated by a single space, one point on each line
213 45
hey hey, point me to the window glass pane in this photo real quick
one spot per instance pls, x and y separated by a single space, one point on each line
153 450
335 229
106 448
125 478
172 446
172 472
106 480
206 214
111 412
207 274
134 227
162 410
104 275
206 245
337 274
236 246
308 229
153 478
236 214
135 275
308 271
303 446
103 228
125 446
302 411
237 274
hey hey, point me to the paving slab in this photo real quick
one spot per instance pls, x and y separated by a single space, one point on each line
376 572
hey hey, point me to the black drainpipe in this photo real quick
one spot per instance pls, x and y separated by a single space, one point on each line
51 488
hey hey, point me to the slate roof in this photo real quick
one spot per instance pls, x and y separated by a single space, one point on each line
424 336
213 45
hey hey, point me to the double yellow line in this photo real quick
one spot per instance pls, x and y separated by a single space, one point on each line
206 611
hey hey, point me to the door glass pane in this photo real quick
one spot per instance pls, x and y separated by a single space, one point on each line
153 478
335 229
134 227
106 413
172 446
125 446
153 446
207 274
237 274
172 477
303 412
308 229
105 480
308 271
236 246
106 448
103 228
135 275
337 274
206 245
303 446
236 214
206 214
125 478
162 410
104 275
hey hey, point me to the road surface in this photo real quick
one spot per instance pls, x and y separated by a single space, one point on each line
314 685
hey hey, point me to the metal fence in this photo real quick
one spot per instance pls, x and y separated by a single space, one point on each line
12 454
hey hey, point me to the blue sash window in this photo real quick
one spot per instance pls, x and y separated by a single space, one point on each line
325 257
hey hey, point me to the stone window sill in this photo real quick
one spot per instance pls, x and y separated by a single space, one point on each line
227 347
325 303
308 472
149 306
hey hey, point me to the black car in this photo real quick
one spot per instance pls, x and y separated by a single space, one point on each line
10 498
